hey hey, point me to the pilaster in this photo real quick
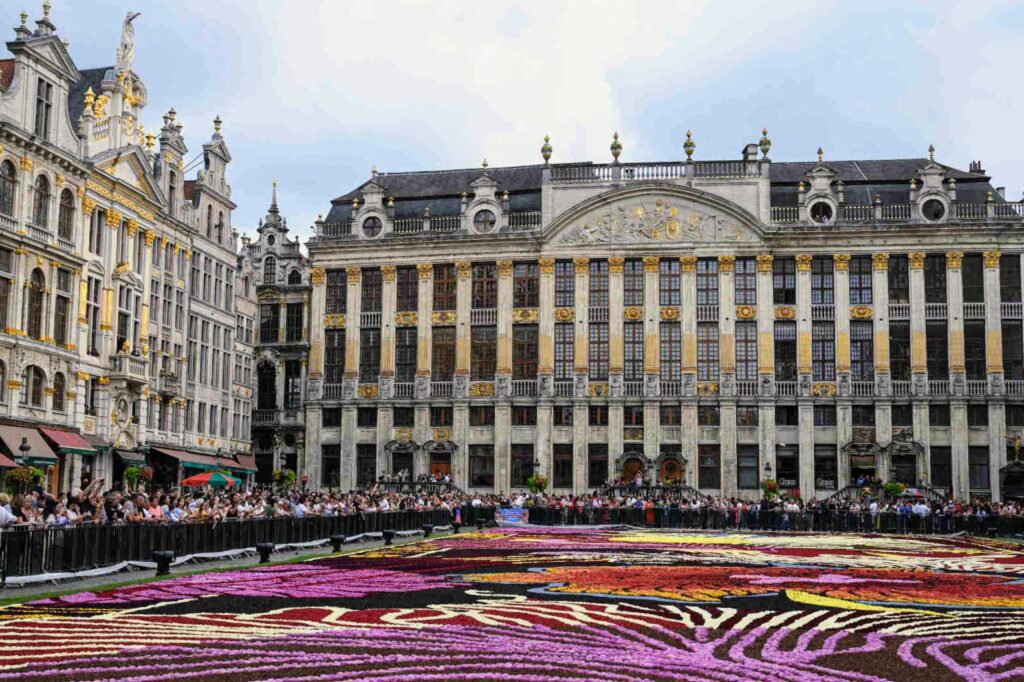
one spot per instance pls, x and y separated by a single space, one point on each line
581 441
389 293
766 330
503 370
727 440
652 322
918 342
460 435
463 302
880 313
616 440
315 325
993 327
353 322
546 329
727 339
842 321
997 442
688 315
502 447
424 329
616 308
955 315
803 324
958 433
581 342
542 443
805 433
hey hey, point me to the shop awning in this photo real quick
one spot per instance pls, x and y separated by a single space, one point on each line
6 462
195 460
68 442
131 458
246 463
39 450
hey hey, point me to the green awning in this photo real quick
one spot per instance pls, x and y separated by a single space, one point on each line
131 458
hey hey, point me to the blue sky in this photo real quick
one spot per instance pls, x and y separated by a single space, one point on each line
315 93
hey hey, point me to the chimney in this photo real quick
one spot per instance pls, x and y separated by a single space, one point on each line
1001 191
750 152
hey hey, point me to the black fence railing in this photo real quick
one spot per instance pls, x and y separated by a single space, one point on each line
820 521
28 551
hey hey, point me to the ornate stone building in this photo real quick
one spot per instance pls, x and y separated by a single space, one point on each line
709 322
117 275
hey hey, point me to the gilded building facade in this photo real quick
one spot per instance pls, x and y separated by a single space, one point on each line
117 275
711 323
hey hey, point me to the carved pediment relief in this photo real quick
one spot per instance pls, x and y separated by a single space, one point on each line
657 216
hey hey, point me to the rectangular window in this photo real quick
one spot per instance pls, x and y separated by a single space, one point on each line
481 415
899 279
823 350
366 464
331 418
270 321
565 284
935 278
562 415
942 466
822 281
707 281
44 108
709 415
974 350
443 354
292 385
371 290
562 456
597 464
598 284
972 271
633 415
481 466
977 415
669 288
860 280
707 351
405 354
787 415
293 322
633 347
937 342
96 227
902 415
334 355
62 306
747 477
746 351
1009 278
408 286
1013 350
524 415
784 281
746 281
787 468
938 414
337 291
445 286
526 285
826 467
670 415
598 360
564 350
369 355
524 351
709 466
404 417
483 353
671 340
485 286
824 415
785 351
977 464
366 417
441 415
633 283
597 415
330 457
862 347
747 415
863 415
899 350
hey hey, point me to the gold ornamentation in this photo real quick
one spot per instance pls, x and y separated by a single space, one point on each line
334 321
785 312
991 259
670 313
954 259
565 314
633 313
525 315
123 267
26 163
547 266
616 264
823 390
688 263
651 263
464 268
133 227
861 312
368 391
746 312
317 276
707 388
481 390
59 180
14 383
504 268
442 433
764 262
388 273
599 389
353 274
83 376
916 260
426 270
726 263
443 317
632 434
104 380
881 261
582 264
803 262
114 218
403 435
842 261
88 206
406 318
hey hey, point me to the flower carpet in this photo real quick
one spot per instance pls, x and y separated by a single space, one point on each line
543 604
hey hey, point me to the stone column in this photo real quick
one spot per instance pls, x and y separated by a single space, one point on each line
997 443
502 446
804 364
15 324
282 321
421 433
385 419
727 328
460 436
424 329
958 433
883 434
348 476
503 373
542 439
462 329
389 292
581 442
994 366
315 324
354 305
688 439
616 308
546 329
955 315
922 434
727 439
652 432
766 334
805 432
616 440
842 321
688 315
652 320
581 343
880 313
918 337
766 439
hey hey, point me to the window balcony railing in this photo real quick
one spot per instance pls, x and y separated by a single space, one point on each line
936 311
824 311
441 389
264 416
524 387
746 389
563 389
977 388
671 389
938 387
405 389
863 389
1012 310
130 367
786 389
488 316
1015 388
633 389
899 311
8 223
974 311
901 389
369 320
333 391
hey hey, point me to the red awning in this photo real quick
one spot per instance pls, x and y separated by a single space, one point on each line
245 462
69 441
195 459
7 462
40 450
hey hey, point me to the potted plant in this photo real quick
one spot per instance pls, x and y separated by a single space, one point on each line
131 476
537 483
770 488
21 478
893 489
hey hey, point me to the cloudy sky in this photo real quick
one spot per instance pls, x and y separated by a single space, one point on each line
315 93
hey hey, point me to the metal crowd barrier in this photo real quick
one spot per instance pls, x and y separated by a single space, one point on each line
33 551
818 520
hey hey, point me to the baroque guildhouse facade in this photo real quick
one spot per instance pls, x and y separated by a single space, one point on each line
281 276
147 255
713 323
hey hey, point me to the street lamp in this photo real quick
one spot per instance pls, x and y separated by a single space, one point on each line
25 449
767 470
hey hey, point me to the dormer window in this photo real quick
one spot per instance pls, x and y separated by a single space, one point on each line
44 108
270 240
269 270
933 210
172 190
484 221
372 226
294 277
821 212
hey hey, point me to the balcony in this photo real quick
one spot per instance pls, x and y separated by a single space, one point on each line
563 389
746 389
977 388
170 384
863 389
901 389
633 389
333 391
524 387
405 389
441 389
899 311
264 416
974 311
786 389
1015 388
127 367
937 387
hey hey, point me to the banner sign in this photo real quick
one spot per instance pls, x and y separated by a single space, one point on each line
512 516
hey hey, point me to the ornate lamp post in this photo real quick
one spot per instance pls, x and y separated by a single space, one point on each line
767 471
25 449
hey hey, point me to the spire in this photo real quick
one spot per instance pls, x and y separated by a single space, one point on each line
273 200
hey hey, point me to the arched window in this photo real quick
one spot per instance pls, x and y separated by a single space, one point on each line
294 277
66 218
41 202
34 304
8 184
209 221
58 392
33 384
269 270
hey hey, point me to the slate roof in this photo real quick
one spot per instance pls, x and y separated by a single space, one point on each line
6 73
91 78
863 171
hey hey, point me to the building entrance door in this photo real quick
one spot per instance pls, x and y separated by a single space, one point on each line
441 463
402 462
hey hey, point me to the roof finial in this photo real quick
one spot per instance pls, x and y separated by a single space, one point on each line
616 147
373 171
689 145
24 18
545 151
47 7
821 155
484 165
217 122
931 152
273 197
765 142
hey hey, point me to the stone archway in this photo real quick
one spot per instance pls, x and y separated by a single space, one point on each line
401 457
905 459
